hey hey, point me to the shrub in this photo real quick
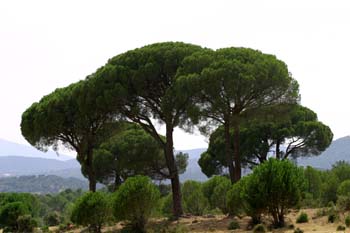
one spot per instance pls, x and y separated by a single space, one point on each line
274 187
26 223
52 219
135 200
260 228
344 188
233 225
302 218
193 198
341 228
167 205
298 230
218 198
343 202
235 201
9 214
347 221
332 217
92 209
215 190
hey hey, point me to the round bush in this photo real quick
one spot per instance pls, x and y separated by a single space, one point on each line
233 225
344 188
260 228
26 223
92 209
341 228
135 200
274 187
298 230
347 221
302 218
193 198
9 214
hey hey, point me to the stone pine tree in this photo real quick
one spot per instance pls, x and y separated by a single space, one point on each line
74 117
234 81
132 152
298 131
145 80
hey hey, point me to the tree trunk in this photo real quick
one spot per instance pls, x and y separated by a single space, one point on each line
278 152
174 175
236 152
228 154
90 170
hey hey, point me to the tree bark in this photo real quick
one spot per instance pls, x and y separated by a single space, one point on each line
90 170
174 175
236 152
228 154
278 152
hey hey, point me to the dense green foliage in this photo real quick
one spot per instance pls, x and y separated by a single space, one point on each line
132 152
296 129
232 82
215 190
93 209
9 214
135 200
273 188
193 198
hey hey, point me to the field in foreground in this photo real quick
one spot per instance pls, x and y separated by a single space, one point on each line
220 223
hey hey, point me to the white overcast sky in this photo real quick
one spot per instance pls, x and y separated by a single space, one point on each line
49 44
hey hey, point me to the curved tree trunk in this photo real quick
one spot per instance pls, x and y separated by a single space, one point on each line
174 175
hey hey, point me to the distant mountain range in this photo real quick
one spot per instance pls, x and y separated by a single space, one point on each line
21 160
8 148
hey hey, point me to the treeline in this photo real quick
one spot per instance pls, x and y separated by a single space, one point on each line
274 187
40 184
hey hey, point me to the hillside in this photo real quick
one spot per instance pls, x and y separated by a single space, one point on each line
8 148
19 165
338 150
40 184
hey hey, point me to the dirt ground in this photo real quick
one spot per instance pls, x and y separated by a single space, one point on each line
219 224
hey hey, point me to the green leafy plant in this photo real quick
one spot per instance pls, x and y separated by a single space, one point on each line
92 209
233 225
260 228
341 228
135 200
302 218
193 198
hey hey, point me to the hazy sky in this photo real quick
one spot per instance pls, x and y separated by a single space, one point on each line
49 44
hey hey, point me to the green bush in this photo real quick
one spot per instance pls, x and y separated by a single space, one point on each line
302 218
92 209
341 228
135 200
347 221
343 202
298 230
218 198
333 217
193 199
53 219
344 188
233 225
274 187
260 228
236 203
166 205
26 223
9 214
215 190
